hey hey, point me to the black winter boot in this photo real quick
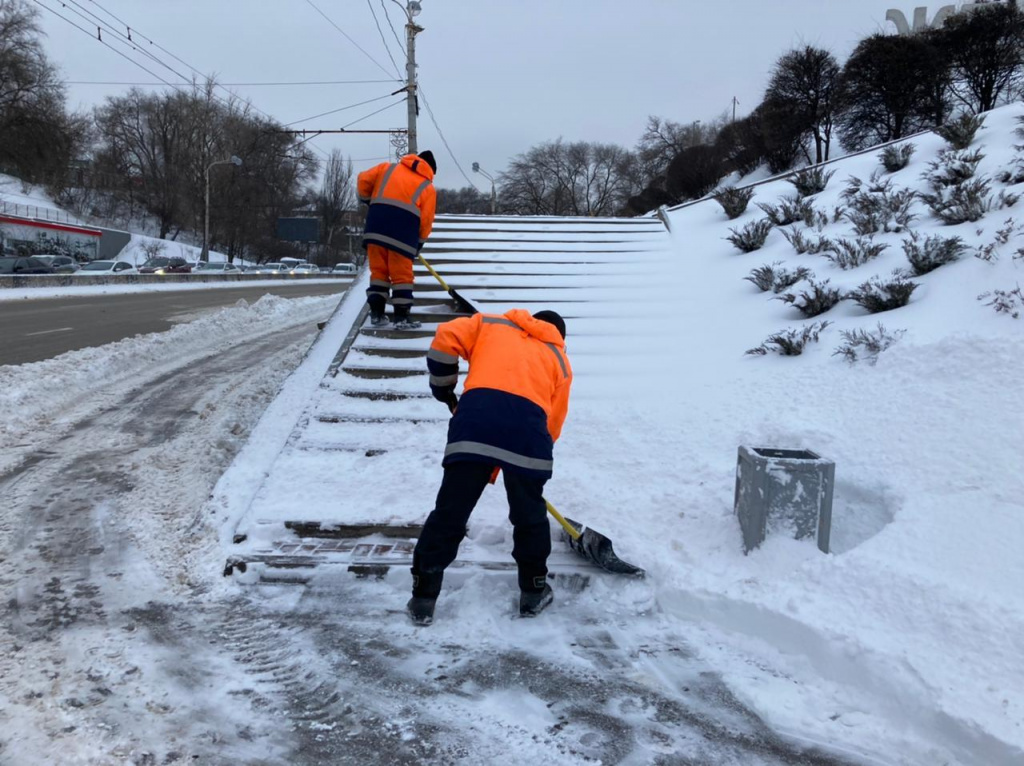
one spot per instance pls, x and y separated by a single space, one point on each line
426 586
532 603
421 610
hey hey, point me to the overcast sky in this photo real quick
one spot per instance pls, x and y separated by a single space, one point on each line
500 75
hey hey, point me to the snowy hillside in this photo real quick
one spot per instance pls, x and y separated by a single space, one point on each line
918 610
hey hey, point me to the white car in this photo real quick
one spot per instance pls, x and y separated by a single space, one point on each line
344 268
106 269
305 268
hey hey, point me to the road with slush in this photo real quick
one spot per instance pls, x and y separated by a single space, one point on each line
37 329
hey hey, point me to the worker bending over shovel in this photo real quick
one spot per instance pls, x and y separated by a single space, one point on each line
514 403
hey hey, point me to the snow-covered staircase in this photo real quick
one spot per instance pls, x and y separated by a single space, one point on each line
359 472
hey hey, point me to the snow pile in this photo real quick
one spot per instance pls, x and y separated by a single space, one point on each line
41 396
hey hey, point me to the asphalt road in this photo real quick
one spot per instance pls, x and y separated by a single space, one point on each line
33 330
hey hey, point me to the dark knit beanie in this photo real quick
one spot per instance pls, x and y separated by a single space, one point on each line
552 318
428 157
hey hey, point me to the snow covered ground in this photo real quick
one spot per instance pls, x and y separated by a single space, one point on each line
900 646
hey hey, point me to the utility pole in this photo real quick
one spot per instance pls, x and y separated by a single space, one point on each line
735 101
411 30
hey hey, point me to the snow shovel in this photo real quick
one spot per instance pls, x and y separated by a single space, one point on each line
461 304
593 546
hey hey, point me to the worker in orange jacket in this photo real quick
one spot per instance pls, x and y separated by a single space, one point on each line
514 403
402 201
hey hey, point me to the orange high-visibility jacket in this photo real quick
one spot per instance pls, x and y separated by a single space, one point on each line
516 395
402 202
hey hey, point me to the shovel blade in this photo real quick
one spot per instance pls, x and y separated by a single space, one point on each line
597 549
462 305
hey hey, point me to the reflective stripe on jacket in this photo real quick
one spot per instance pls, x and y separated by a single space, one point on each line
402 200
516 395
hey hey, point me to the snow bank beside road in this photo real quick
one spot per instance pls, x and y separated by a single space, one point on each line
42 396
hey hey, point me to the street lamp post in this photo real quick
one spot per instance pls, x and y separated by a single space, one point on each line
494 193
206 227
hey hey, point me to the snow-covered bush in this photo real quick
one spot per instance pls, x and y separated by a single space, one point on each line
896 157
952 168
866 345
877 294
772 277
1005 301
876 207
967 201
752 236
790 342
959 133
849 254
734 201
933 251
789 210
803 245
811 181
818 299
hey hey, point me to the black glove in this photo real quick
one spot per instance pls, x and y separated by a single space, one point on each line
445 395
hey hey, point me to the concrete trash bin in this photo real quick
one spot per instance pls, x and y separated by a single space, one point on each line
781 489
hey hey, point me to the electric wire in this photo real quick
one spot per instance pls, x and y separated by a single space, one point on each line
430 113
364 117
237 84
107 45
347 37
135 46
401 46
335 111
383 39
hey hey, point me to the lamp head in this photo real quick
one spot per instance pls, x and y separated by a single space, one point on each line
236 160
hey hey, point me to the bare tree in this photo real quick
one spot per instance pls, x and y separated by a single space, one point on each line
558 178
984 49
804 85
336 196
39 137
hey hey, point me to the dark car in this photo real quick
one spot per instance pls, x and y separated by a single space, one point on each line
17 264
61 264
163 265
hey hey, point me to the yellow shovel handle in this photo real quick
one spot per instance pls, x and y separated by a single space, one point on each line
569 528
431 270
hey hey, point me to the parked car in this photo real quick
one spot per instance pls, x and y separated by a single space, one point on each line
61 264
163 265
23 264
215 269
344 268
304 268
272 268
106 268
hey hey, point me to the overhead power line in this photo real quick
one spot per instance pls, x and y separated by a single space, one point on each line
238 84
444 140
340 109
383 39
347 37
401 45
126 39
